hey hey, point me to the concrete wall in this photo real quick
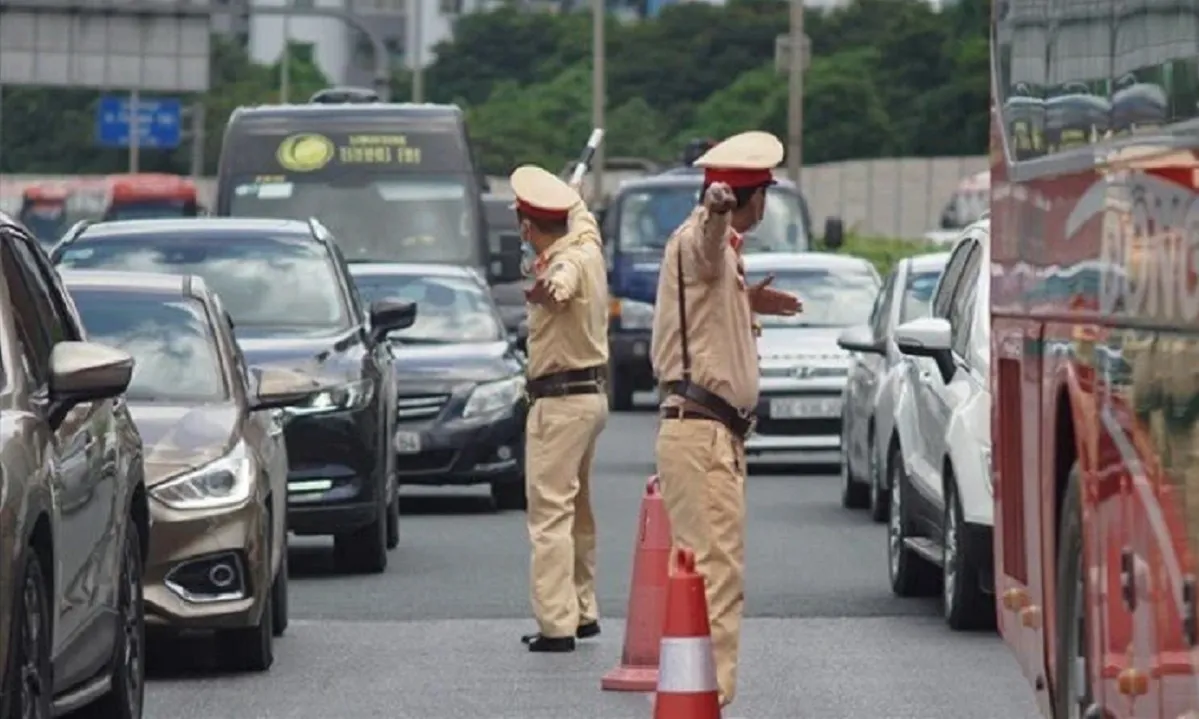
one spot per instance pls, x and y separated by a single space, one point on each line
900 197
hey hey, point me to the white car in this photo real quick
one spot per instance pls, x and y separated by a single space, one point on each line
939 455
803 371
869 409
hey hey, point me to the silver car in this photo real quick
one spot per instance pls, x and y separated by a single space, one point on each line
803 370
871 391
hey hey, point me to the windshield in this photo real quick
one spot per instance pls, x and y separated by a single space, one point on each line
286 283
174 352
46 220
375 219
150 210
448 309
831 298
649 216
918 294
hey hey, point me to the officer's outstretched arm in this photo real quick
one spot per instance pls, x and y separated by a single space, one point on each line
707 240
564 277
582 223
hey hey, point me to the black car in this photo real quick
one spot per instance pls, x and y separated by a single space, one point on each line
460 381
288 291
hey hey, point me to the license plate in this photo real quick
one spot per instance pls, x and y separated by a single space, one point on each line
805 407
407 443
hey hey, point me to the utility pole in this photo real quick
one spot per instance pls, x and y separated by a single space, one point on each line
795 93
418 56
198 139
599 93
285 68
135 132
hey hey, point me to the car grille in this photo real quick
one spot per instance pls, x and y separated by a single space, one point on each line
422 406
801 427
435 460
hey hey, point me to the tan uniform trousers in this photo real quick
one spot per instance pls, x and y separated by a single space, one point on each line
701 466
559 447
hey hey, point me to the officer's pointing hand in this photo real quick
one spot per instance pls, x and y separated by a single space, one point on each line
719 198
539 293
766 300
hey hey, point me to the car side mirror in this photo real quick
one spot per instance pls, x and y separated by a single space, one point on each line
860 339
927 337
505 264
834 233
83 372
390 315
276 388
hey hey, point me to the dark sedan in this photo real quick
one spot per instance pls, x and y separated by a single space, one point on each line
287 289
460 381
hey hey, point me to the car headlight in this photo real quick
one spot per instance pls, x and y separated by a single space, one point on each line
224 483
636 315
351 396
494 396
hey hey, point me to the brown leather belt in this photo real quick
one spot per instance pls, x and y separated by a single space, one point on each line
589 380
739 422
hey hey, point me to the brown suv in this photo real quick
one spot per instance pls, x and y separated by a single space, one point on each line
73 508
216 462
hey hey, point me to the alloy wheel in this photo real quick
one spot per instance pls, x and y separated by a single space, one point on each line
895 525
131 631
950 556
33 684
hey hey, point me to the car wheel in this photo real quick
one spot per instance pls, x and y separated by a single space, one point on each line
880 500
1072 696
29 683
279 608
509 495
393 521
966 605
365 549
854 494
250 649
126 697
910 574
620 391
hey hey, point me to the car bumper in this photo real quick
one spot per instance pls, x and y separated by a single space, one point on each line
206 569
628 351
798 440
334 481
465 452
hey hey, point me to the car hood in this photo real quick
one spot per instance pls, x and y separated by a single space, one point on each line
181 437
784 345
326 358
423 365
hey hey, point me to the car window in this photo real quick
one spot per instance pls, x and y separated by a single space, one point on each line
961 311
880 315
282 283
949 280
449 309
918 294
40 325
175 355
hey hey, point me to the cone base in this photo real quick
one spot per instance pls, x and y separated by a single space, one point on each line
630 679
703 705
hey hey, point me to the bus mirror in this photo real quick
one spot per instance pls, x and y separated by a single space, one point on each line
834 233
505 264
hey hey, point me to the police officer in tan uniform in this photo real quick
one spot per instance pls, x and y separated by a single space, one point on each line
706 361
568 359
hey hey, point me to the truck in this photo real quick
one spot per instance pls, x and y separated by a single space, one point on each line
636 225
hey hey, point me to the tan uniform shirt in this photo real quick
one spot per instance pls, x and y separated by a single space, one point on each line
724 352
574 334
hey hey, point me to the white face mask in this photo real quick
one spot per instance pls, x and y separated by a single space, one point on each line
528 254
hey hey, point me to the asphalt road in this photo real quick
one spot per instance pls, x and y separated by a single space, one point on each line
436 636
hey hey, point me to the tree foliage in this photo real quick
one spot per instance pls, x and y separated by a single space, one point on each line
887 78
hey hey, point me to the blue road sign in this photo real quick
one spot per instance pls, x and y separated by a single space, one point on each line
158 122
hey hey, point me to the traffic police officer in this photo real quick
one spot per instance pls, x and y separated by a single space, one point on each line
568 359
705 357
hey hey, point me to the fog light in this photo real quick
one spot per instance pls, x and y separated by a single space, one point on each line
504 453
222 576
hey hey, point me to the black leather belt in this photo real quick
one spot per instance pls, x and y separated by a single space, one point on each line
740 422
589 380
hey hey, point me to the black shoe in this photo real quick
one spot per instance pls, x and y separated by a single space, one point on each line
539 643
588 630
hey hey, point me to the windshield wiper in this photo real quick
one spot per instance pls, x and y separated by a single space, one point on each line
419 341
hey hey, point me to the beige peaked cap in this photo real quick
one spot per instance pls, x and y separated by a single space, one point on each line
542 190
752 150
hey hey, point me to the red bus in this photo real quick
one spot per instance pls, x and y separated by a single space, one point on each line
1095 355
43 211
148 196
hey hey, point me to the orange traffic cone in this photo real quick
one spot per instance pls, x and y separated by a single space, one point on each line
687 671
638 668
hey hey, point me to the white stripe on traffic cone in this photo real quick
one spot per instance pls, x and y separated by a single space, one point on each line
685 666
